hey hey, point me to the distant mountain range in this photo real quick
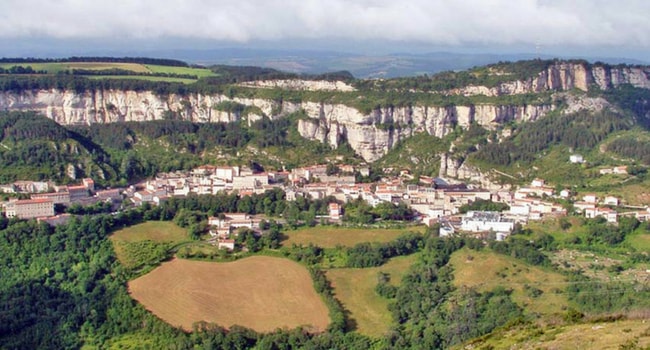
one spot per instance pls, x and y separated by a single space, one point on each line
391 65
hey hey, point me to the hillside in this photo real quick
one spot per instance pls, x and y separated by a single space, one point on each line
501 123
34 147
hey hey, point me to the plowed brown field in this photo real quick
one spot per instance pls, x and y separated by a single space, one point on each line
262 293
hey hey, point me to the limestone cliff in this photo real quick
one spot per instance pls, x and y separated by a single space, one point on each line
371 134
564 76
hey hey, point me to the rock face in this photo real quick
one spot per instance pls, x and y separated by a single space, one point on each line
455 168
563 76
304 85
370 135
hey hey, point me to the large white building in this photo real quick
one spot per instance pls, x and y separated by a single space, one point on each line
485 221
29 208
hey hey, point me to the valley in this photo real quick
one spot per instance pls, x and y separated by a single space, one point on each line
502 206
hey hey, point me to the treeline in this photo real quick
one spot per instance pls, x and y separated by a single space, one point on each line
631 147
19 84
141 60
483 205
359 211
20 70
580 131
376 254
118 71
21 126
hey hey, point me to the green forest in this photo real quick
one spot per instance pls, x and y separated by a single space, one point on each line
63 287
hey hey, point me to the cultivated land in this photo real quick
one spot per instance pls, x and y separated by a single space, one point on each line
331 236
56 67
157 231
355 289
137 244
487 270
602 336
263 293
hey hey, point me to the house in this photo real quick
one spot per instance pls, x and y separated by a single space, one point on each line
112 194
29 208
590 198
583 206
228 244
537 183
576 159
621 170
610 215
565 193
611 200
335 211
233 221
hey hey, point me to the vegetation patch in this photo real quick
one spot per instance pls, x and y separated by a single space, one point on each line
627 334
332 236
537 290
262 293
356 289
146 244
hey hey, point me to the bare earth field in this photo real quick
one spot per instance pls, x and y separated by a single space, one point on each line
355 288
260 292
331 236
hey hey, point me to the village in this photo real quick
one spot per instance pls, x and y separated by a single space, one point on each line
436 201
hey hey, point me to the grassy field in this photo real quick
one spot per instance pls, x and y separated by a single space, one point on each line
355 288
199 72
602 336
157 231
640 241
331 236
145 243
56 67
260 292
487 270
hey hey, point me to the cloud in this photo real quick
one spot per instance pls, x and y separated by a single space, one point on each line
442 22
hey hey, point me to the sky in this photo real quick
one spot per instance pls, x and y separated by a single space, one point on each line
608 27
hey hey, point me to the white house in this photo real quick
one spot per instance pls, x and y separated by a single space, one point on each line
611 200
576 159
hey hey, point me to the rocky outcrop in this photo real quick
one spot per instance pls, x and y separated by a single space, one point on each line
372 135
298 84
564 76
458 169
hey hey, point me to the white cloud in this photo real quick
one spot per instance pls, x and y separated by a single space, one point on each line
444 22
